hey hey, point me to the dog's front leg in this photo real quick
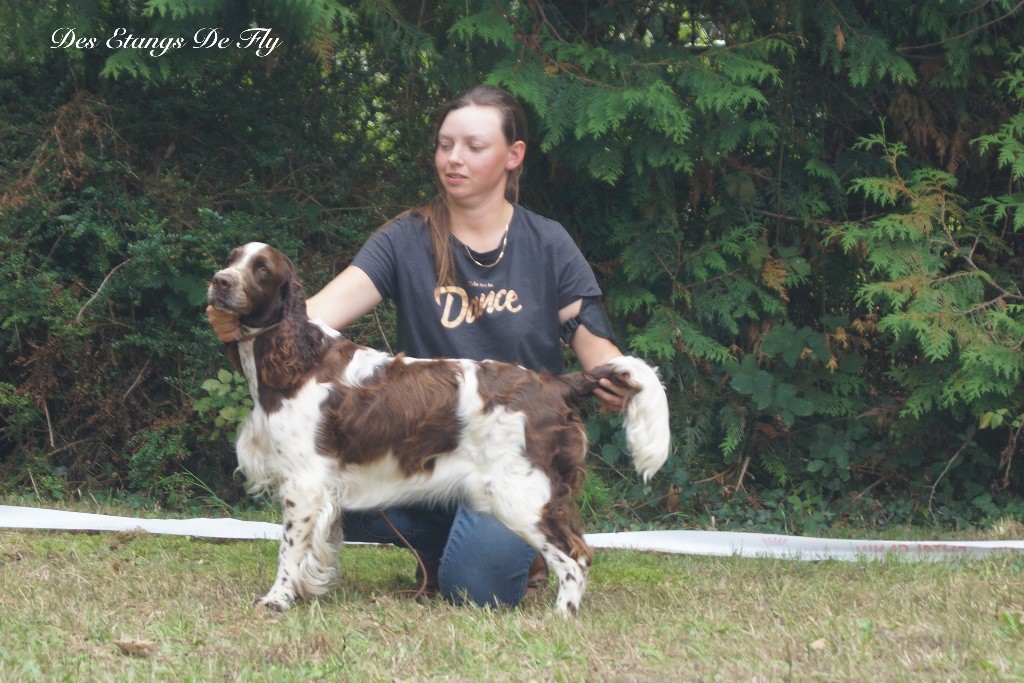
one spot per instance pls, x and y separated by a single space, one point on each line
308 557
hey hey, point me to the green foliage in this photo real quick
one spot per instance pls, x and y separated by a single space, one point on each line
766 395
227 401
930 292
17 413
121 197
807 214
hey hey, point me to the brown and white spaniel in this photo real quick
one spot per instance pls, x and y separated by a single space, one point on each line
337 426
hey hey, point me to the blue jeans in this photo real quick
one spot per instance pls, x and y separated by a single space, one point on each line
482 561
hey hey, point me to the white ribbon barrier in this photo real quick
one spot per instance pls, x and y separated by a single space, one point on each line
720 543
13 517
729 543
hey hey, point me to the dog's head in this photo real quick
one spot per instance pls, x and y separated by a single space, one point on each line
259 283
261 286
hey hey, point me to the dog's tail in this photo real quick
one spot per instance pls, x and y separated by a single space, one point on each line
644 411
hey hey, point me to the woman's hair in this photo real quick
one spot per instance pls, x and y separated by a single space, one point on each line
436 212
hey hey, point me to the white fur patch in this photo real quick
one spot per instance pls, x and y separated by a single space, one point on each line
252 248
248 362
249 251
364 364
325 328
646 417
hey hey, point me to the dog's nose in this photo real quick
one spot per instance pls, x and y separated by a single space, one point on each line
221 281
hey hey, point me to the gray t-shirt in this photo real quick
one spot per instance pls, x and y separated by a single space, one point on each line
507 313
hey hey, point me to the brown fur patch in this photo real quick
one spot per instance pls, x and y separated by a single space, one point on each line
409 409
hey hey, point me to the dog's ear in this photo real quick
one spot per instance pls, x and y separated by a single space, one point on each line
231 349
293 346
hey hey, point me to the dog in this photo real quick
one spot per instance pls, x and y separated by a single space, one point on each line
337 426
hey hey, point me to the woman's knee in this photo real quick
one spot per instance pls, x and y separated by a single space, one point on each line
484 562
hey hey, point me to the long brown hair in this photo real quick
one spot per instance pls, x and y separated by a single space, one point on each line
436 212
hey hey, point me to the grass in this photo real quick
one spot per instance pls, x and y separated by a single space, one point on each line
132 606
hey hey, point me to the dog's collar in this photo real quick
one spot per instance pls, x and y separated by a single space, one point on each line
252 335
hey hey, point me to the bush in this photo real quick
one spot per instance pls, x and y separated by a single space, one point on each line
807 214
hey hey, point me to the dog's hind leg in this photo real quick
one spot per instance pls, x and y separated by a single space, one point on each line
570 555
538 504
562 524
307 559
524 505
558 519
570 570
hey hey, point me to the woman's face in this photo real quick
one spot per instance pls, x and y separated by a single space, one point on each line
472 157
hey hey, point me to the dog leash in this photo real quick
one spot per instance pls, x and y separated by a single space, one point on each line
419 592
253 335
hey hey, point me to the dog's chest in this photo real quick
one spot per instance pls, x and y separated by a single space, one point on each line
291 427
247 358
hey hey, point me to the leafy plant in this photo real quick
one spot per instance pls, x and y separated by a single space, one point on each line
228 399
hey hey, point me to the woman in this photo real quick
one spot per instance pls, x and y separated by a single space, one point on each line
474 275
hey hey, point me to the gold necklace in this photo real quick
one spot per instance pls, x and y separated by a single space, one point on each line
504 243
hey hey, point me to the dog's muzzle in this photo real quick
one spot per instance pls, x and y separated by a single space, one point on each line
226 293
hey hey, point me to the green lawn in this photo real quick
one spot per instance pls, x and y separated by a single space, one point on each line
72 604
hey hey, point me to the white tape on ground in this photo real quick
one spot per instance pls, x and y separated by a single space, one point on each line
723 543
796 547
40 518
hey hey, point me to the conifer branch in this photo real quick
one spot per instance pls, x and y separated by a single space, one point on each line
965 33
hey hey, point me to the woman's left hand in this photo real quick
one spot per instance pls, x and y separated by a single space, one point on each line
611 395
593 351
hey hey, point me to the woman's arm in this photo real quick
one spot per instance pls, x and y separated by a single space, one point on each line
342 301
592 351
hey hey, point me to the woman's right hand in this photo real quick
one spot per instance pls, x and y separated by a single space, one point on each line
225 325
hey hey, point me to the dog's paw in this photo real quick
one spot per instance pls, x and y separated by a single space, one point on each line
276 603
